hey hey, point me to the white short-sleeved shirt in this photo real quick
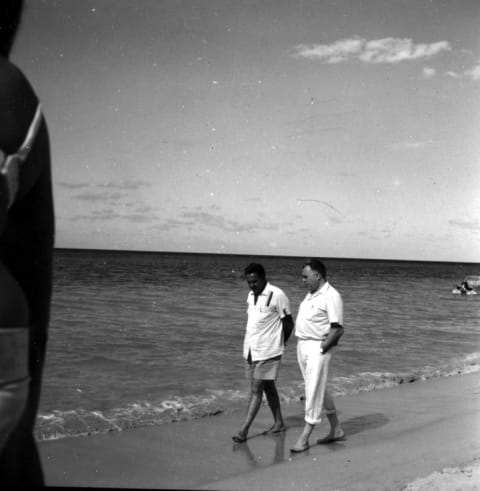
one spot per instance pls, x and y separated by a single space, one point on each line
317 311
264 331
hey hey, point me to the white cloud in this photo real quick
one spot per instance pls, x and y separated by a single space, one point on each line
474 72
428 72
202 219
332 53
99 196
70 185
473 225
453 74
385 50
410 145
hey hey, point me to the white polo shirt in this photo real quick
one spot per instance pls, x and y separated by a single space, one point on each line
264 331
317 311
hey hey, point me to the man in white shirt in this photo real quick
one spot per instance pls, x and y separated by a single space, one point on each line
269 326
318 327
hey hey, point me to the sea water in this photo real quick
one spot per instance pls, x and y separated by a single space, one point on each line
141 339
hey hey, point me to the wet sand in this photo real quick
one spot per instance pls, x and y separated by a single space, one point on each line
407 434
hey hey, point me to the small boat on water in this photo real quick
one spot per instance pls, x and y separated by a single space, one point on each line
473 280
459 291
467 286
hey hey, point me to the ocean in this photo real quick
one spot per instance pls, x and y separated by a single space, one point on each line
139 338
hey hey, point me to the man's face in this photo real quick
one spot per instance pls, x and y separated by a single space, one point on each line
255 283
311 279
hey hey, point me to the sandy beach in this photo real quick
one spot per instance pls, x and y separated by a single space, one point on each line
424 435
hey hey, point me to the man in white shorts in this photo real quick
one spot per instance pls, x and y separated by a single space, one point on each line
318 327
269 326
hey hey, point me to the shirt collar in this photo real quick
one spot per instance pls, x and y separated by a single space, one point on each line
320 291
265 291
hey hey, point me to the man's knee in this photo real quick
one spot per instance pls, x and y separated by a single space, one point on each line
269 385
258 386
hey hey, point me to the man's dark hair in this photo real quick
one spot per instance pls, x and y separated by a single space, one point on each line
10 14
318 266
255 268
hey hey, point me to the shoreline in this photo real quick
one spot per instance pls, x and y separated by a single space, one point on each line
395 436
100 423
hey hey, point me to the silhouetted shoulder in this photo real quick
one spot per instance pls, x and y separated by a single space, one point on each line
18 104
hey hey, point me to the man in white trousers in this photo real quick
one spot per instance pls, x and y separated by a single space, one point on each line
318 327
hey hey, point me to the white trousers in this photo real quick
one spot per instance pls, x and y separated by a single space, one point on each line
314 368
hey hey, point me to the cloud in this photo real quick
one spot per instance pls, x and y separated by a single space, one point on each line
453 74
99 196
141 215
143 209
332 53
218 221
125 185
202 219
474 72
122 185
385 50
170 224
473 225
428 72
410 145
392 50
70 185
335 220
105 215
108 191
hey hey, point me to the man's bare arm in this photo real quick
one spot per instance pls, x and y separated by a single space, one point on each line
334 335
287 324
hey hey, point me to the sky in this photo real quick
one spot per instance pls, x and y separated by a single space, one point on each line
329 128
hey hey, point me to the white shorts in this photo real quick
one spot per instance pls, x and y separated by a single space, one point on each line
264 369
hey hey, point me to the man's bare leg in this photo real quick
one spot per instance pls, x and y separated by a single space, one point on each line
336 431
302 442
274 403
256 395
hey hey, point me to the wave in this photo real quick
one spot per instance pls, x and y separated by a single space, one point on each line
369 381
79 422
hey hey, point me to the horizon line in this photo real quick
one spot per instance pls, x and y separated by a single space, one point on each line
136 251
